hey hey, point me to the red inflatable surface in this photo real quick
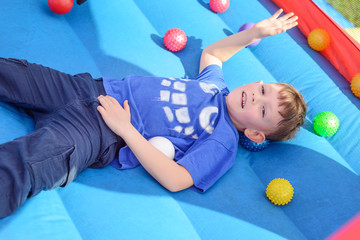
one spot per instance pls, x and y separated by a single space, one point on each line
350 231
343 51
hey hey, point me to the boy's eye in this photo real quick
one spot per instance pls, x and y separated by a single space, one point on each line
263 111
262 89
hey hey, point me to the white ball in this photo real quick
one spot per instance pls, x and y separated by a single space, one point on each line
163 145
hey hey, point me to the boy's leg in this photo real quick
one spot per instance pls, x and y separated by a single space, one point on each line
41 89
54 154
29 164
19 157
15 181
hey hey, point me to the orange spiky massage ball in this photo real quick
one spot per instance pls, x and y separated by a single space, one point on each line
319 39
355 85
279 191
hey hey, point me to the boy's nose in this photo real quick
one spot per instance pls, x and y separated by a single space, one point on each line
253 99
256 99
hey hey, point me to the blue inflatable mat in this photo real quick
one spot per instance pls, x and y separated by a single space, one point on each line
116 38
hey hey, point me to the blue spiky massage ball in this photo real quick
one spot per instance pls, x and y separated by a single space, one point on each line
250 145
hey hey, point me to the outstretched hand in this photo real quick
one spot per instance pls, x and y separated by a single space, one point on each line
116 117
275 25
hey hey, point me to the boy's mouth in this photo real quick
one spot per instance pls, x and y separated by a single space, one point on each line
243 102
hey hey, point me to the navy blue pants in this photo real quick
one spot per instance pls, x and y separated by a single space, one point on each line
69 135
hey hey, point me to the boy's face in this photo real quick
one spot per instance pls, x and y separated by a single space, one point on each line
255 106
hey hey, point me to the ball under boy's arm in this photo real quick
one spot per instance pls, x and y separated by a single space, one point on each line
168 173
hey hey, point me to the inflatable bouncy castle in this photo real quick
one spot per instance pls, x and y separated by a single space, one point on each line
118 38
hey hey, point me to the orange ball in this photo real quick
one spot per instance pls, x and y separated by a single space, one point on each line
319 39
355 85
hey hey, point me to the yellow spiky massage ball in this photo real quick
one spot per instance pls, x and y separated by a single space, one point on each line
355 85
279 191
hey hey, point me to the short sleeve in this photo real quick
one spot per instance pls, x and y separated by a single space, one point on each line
212 74
206 163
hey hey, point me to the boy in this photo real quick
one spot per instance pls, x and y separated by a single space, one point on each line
200 117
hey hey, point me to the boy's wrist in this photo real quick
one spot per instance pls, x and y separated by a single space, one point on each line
127 131
255 33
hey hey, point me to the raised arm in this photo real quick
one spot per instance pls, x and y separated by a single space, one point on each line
224 49
166 171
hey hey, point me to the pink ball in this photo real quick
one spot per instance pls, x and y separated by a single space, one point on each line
219 6
175 39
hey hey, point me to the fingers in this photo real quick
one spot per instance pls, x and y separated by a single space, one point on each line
277 14
286 17
292 25
101 110
107 101
290 20
285 22
112 100
103 101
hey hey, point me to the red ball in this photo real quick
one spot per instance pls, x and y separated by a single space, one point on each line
60 6
175 39
219 6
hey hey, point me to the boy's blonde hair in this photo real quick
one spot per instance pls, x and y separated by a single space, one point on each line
293 111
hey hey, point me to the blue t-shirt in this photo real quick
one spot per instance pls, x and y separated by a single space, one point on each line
192 114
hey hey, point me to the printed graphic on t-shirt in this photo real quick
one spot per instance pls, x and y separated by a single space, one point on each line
174 92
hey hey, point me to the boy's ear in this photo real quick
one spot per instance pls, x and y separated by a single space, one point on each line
254 135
